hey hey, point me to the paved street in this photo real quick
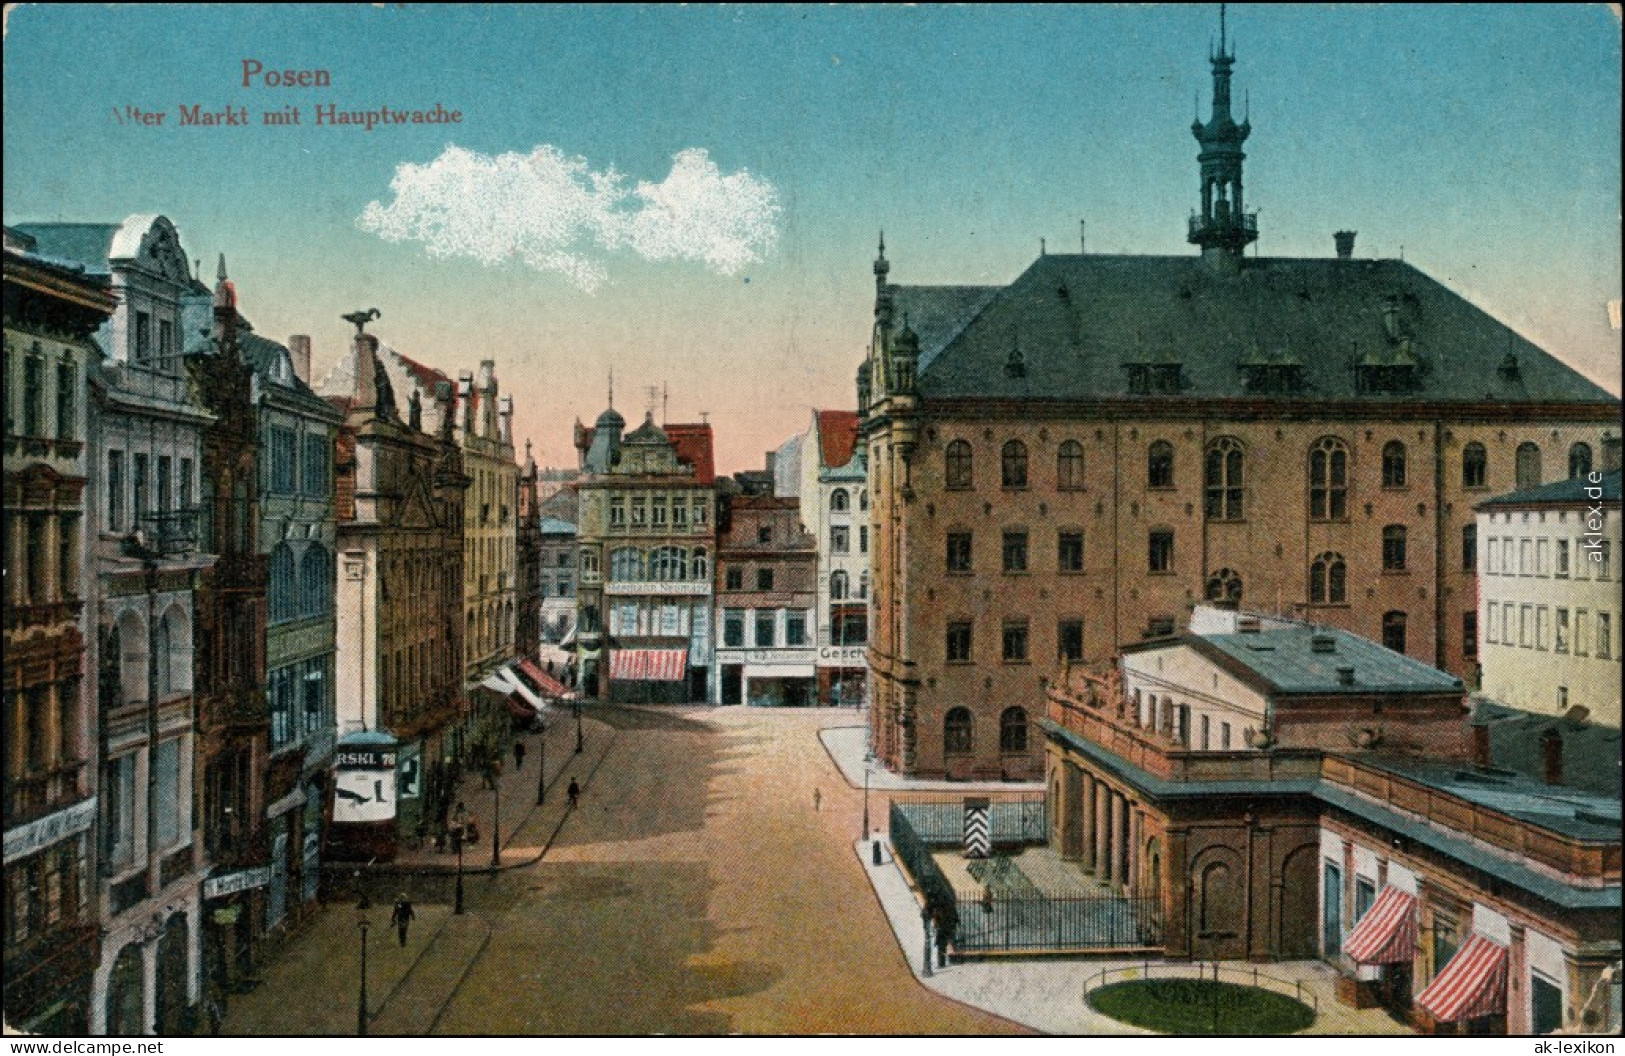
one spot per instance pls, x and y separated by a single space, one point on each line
696 890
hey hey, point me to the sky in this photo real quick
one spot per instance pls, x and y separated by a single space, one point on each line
691 196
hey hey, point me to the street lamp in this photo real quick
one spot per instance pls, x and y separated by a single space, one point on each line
575 705
496 818
541 768
865 833
361 1002
460 820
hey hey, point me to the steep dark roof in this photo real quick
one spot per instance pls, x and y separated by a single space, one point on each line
1079 318
1564 492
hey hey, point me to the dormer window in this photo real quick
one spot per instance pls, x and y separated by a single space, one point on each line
1146 379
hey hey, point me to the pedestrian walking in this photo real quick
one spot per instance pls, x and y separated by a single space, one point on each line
818 799
402 916
574 792
518 755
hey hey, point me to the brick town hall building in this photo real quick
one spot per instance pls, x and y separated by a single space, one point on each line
1071 462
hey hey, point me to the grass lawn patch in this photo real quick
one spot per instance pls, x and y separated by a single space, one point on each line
1187 1006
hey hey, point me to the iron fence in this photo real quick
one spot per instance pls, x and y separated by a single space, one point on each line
915 855
1241 975
1014 819
1056 923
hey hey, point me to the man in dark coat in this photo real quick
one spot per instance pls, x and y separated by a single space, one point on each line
402 916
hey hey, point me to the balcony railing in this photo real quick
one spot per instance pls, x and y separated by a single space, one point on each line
169 532
1244 222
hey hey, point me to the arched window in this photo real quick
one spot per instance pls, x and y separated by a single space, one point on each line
699 566
1328 480
1393 631
838 501
1160 465
1223 478
1328 580
1579 461
1013 730
957 732
1224 588
315 581
1474 466
1013 465
1393 464
838 585
1393 548
1069 466
1528 466
162 645
283 587
957 464
668 564
174 652
626 565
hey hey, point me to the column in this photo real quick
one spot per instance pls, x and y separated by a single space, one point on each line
1087 821
1103 798
1519 998
1119 823
1131 850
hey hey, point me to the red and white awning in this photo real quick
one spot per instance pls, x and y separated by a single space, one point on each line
1387 932
1473 984
648 665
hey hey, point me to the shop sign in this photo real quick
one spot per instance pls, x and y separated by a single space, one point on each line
843 656
364 758
232 883
26 839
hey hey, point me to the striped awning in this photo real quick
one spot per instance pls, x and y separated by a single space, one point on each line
1387 932
1473 984
648 665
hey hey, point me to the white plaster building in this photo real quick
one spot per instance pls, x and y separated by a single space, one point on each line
1549 595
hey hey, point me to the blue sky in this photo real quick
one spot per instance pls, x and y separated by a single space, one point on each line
1482 142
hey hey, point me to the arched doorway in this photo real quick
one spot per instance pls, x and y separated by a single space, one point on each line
1217 902
124 997
1299 898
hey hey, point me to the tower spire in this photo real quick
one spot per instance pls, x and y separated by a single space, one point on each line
1222 226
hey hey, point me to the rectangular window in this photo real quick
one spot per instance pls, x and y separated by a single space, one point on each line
679 514
1605 555
1542 558
1015 642
1526 625
1540 627
315 693
1492 563
840 539
166 339
795 627
185 502
734 579
33 396
1509 559
1562 569
313 470
959 642
164 483
959 552
67 556
764 579
1469 548
1605 636
140 483
764 535
115 490
699 510
1069 639
118 812
640 511
1224 736
67 401
1560 642
143 337
617 512
280 694
863 538
1365 893
1506 624
1526 557
733 628
657 511
1015 551
764 629
1582 631
1069 557
1491 626
1162 551
168 761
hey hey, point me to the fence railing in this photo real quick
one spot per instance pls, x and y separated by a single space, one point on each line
1057 923
1293 988
941 820
915 855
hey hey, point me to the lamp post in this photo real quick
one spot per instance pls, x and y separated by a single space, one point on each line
575 705
865 833
460 818
541 768
361 1001
496 819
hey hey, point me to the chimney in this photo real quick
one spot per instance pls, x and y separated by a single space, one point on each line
772 463
366 374
1481 744
1345 244
505 418
299 352
1551 757
465 395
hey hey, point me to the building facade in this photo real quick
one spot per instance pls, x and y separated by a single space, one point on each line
1254 791
645 545
399 494
528 562
490 523
146 440
766 591
52 730
297 431
1110 439
1549 594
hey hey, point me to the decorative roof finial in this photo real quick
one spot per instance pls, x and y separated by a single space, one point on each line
361 317
612 388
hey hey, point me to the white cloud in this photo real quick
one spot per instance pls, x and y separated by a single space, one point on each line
554 213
